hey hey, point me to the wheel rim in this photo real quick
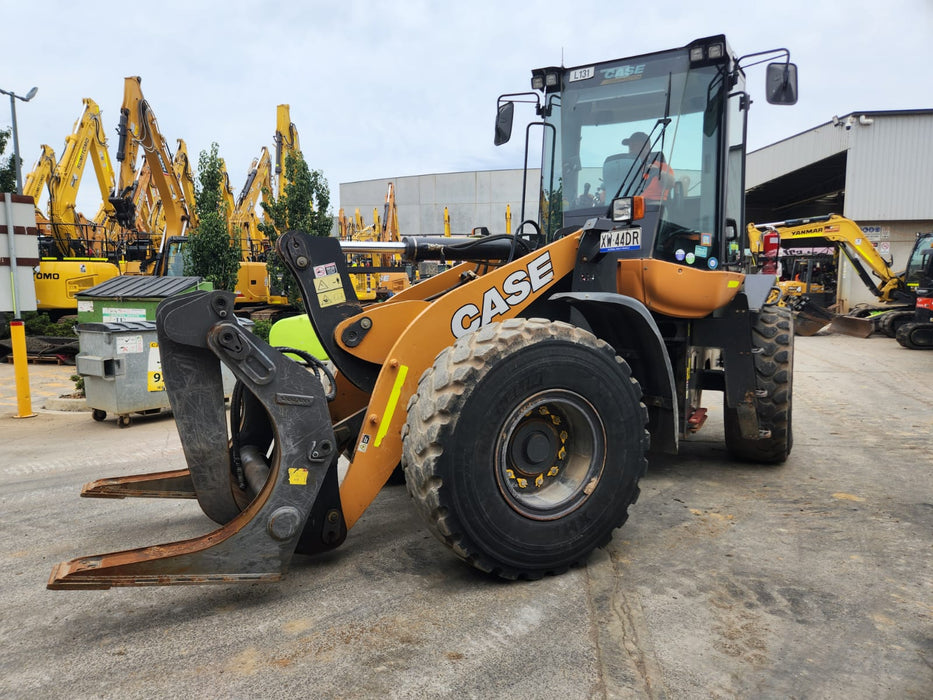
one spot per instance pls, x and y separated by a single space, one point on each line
550 454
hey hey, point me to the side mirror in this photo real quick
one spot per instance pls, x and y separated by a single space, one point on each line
781 83
504 122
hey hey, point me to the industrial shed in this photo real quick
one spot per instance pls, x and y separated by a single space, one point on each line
875 168
478 198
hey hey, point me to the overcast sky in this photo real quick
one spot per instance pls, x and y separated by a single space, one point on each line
395 88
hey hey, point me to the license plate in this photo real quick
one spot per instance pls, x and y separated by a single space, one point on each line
622 239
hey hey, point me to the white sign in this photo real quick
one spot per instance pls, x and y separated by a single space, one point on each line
129 344
115 315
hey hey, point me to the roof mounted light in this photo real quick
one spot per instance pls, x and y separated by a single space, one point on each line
697 54
715 51
546 79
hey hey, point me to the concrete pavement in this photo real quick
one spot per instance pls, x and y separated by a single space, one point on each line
811 579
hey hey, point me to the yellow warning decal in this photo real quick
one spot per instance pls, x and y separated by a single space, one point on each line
732 284
392 403
298 477
327 283
325 299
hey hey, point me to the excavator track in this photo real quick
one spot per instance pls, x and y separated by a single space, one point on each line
916 336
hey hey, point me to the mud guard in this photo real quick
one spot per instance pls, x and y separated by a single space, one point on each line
641 332
298 507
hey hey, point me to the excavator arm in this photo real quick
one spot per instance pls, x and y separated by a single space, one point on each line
38 178
244 219
844 235
181 165
286 142
86 142
139 129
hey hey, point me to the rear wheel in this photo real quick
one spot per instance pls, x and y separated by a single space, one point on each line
524 445
773 352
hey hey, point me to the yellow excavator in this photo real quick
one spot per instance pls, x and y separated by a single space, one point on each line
520 389
37 181
139 130
252 286
79 253
807 285
244 219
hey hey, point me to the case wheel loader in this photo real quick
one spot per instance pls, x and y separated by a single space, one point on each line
519 390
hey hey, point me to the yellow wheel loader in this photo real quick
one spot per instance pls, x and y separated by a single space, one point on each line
520 390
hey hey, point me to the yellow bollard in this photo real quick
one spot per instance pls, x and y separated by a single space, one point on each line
21 370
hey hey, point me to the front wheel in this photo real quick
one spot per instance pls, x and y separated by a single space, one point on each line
524 445
772 345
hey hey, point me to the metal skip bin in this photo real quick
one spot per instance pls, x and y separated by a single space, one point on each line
122 370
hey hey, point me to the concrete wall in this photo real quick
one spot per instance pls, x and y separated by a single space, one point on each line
472 199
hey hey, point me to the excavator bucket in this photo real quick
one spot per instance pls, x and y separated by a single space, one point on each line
278 496
853 325
809 318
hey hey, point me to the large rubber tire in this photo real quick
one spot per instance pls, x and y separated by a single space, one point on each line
524 445
773 352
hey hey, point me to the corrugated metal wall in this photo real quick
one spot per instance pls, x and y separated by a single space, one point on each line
472 199
889 172
890 168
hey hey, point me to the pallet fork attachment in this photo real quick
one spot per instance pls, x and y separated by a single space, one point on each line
297 509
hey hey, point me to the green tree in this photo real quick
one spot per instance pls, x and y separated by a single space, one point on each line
211 253
7 165
304 205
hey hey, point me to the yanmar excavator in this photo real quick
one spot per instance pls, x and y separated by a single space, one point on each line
519 389
804 290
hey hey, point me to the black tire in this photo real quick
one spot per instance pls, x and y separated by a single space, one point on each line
773 352
524 445
124 421
98 415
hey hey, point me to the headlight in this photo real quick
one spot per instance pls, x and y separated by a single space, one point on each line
628 208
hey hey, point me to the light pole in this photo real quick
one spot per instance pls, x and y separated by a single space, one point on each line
13 98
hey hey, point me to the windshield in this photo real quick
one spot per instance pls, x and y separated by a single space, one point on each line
920 263
175 264
649 126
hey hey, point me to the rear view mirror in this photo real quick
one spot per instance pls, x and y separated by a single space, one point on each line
781 83
504 122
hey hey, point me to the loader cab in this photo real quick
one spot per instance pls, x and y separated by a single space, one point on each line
667 127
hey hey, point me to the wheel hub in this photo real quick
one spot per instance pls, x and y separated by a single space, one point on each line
547 454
